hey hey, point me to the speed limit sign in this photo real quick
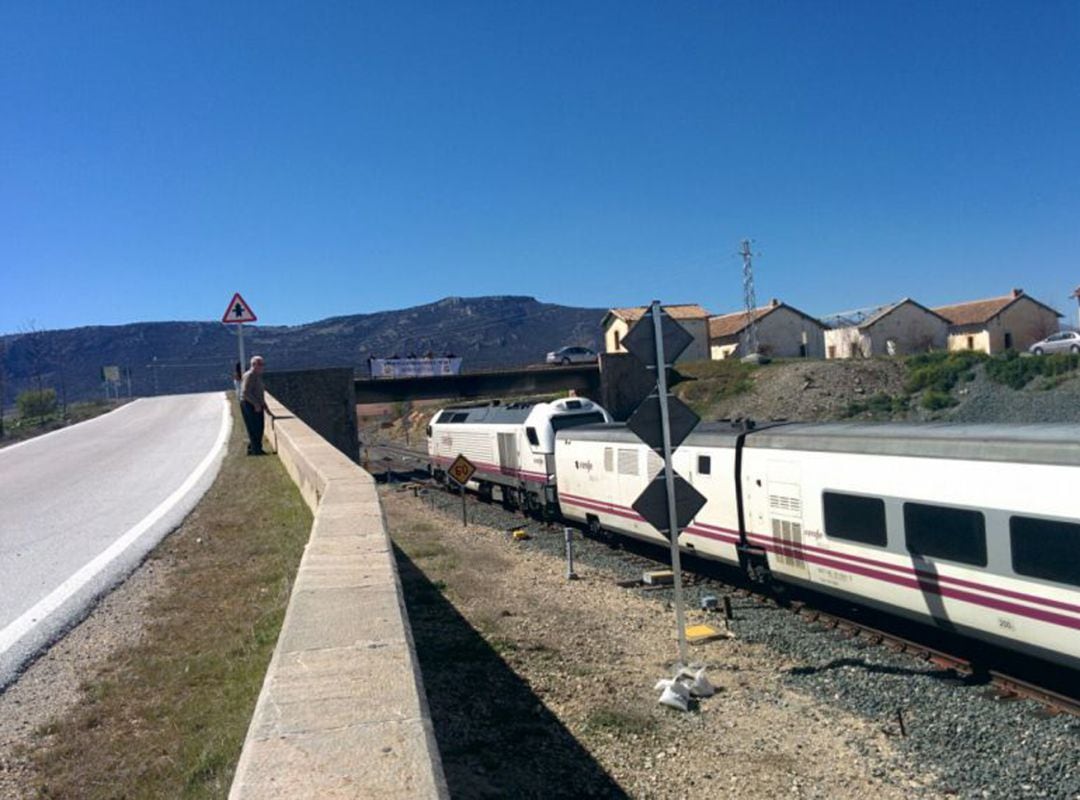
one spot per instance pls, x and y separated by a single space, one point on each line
461 470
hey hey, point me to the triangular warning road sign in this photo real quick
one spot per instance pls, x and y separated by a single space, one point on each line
238 311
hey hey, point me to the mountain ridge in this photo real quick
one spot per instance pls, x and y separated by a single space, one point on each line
166 357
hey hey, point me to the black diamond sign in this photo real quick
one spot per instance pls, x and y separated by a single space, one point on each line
641 341
652 504
645 422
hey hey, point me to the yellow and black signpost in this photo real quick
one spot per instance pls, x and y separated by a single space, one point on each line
460 471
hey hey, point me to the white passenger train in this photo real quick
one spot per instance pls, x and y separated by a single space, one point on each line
973 528
512 446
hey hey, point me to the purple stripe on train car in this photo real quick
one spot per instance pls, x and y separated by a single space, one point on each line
921 580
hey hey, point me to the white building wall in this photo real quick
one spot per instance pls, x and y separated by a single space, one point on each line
782 333
910 329
846 343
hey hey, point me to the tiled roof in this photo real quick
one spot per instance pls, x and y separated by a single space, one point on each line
682 311
977 312
731 324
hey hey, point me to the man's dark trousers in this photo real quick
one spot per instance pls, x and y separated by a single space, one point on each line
254 422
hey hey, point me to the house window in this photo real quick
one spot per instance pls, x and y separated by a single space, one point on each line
1047 549
971 343
832 351
955 534
1008 341
802 351
618 341
855 518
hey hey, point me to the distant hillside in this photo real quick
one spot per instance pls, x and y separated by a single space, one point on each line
172 357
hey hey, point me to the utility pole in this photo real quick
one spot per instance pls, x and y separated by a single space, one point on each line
749 300
1076 294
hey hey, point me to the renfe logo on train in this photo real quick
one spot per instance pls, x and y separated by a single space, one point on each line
461 470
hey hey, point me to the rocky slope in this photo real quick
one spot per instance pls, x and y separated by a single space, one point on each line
876 390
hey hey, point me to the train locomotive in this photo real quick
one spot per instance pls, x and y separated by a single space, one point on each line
512 447
971 528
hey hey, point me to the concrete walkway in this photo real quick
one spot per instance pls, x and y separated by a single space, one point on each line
342 712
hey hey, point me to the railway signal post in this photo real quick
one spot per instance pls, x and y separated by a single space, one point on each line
662 421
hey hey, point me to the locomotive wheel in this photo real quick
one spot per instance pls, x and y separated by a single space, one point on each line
509 501
601 534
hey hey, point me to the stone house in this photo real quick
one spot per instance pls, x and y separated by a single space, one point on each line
899 329
618 321
1012 322
782 332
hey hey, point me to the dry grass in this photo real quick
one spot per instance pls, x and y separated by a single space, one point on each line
168 717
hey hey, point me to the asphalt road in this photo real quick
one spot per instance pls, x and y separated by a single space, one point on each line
81 507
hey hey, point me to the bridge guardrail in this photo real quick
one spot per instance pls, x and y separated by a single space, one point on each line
342 711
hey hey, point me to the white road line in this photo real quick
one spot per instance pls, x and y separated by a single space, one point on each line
11 635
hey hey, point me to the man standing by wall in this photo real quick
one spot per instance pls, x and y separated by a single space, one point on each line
253 405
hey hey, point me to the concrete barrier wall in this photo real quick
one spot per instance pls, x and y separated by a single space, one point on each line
342 712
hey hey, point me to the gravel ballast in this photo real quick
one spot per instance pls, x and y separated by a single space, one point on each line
789 688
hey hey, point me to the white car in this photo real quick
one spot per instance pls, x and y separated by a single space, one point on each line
1061 342
571 355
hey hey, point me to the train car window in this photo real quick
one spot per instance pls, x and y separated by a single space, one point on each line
564 421
1045 548
444 417
572 405
704 465
855 518
653 462
534 440
609 460
460 416
955 534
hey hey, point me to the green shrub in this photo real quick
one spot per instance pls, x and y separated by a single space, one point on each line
941 370
935 400
39 403
879 405
1016 372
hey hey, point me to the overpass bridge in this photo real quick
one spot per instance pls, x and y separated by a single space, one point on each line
326 399
584 379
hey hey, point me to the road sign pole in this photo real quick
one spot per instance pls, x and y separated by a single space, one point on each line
669 480
240 343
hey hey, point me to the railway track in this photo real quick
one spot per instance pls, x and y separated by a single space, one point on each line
1003 685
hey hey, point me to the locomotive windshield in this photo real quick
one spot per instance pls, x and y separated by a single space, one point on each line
564 421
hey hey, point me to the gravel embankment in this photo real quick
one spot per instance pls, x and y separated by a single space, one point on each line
959 742
981 400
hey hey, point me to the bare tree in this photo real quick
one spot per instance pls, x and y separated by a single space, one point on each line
44 361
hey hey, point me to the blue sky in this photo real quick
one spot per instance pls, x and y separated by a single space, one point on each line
331 158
